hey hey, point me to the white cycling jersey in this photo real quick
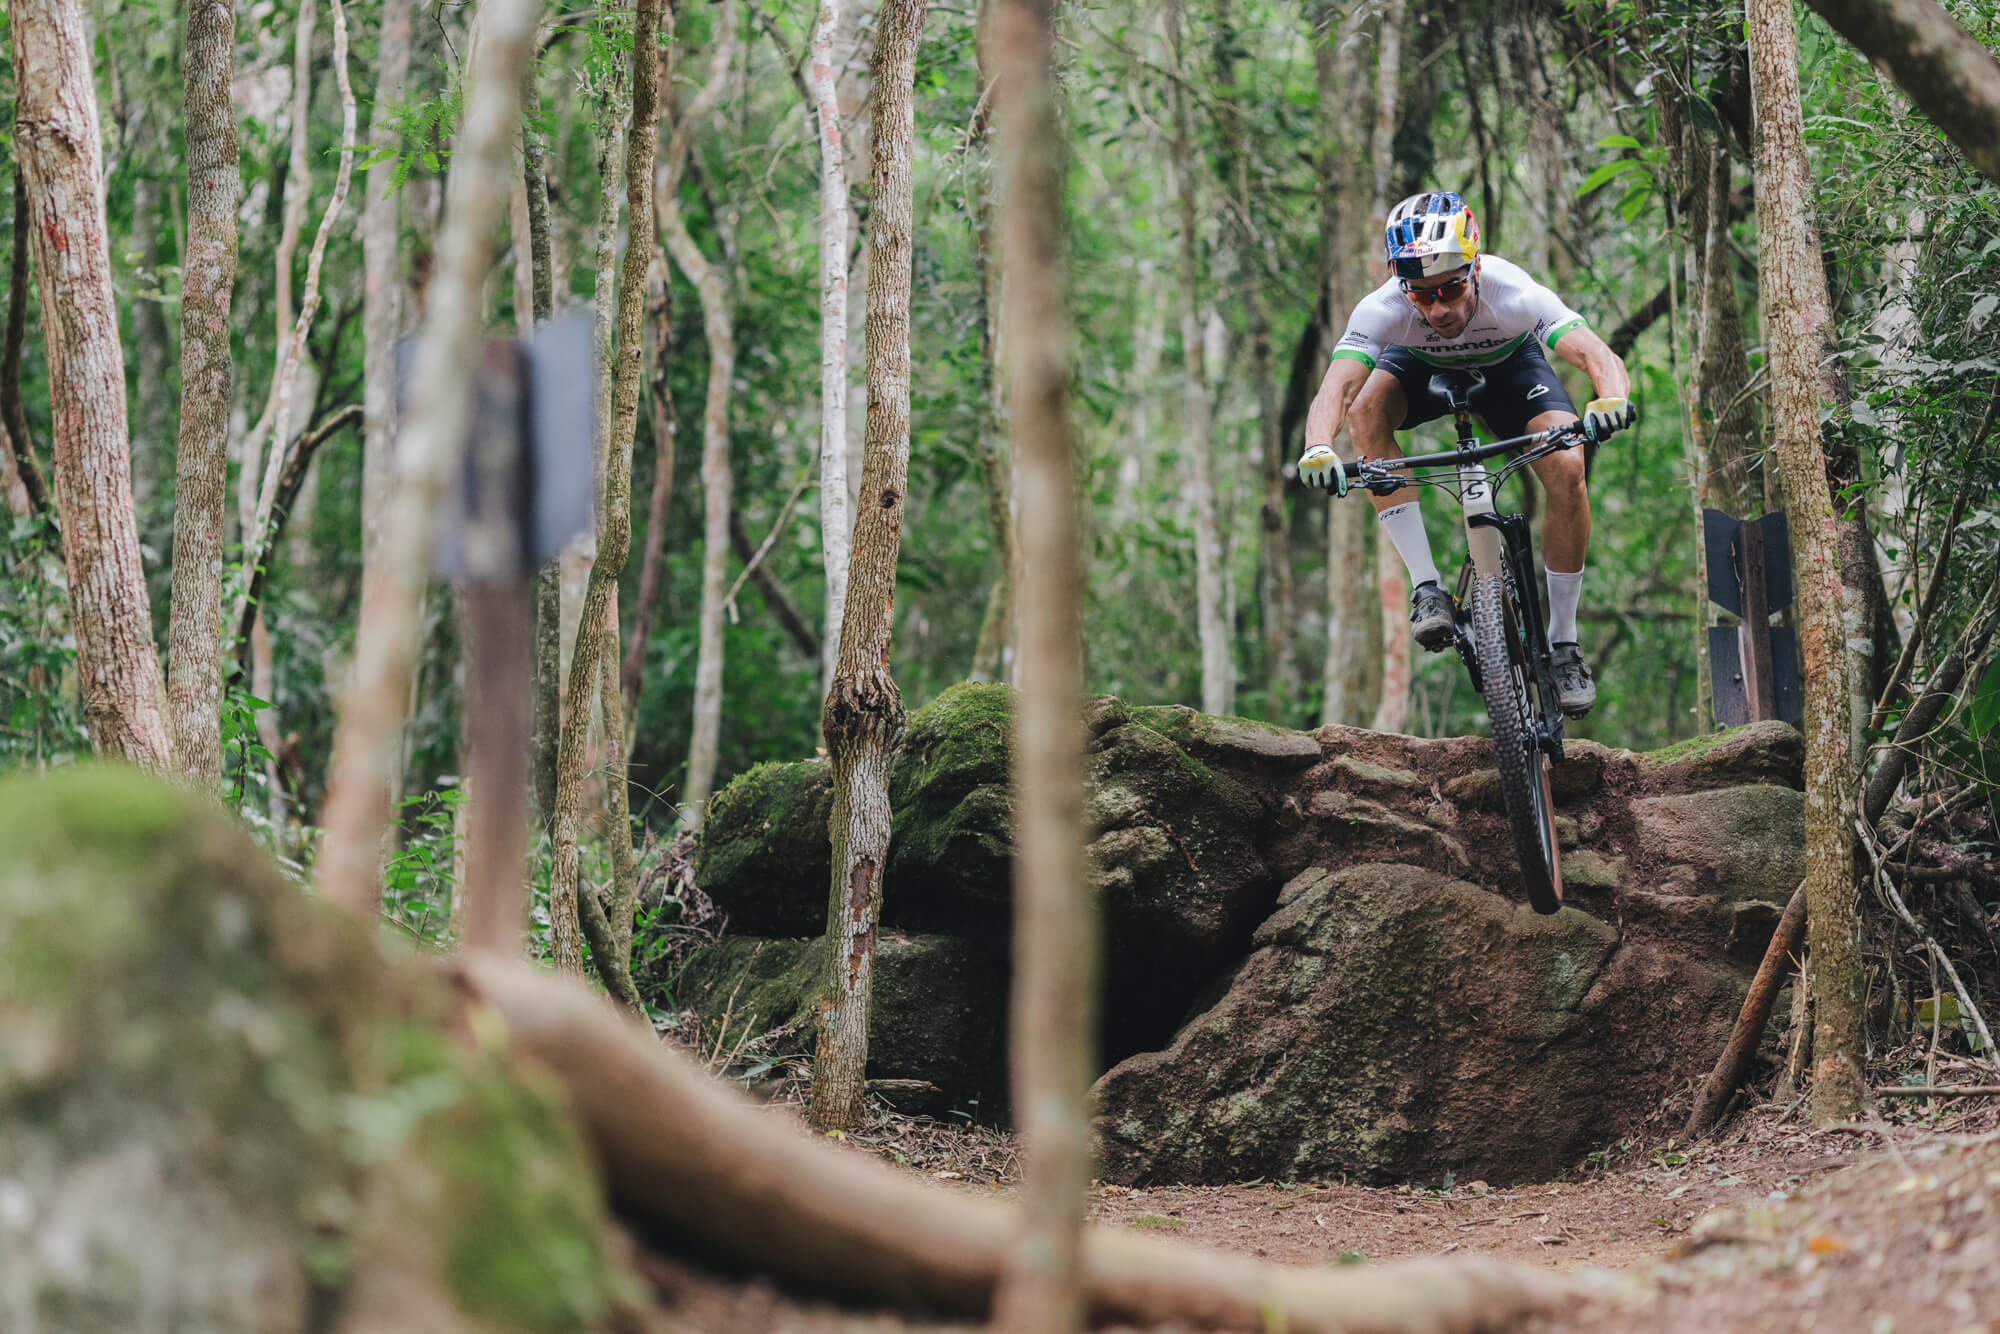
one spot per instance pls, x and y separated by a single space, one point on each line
1512 307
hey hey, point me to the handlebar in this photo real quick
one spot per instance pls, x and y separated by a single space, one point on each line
1371 473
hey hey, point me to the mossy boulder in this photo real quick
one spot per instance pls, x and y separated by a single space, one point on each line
765 858
1391 1023
951 855
1179 877
938 1012
220 1100
1766 752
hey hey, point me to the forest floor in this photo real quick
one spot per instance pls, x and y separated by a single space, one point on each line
1876 1229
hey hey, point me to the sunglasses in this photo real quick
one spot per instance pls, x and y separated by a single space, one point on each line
1430 296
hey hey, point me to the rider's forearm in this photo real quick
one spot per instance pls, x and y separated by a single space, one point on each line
1328 412
1593 356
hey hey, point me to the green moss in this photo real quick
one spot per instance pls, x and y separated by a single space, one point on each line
167 996
1699 744
1156 1223
959 740
525 1223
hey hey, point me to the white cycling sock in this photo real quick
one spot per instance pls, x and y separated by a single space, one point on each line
1565 591
1404 524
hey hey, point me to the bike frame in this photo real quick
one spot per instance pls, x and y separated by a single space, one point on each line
1495 543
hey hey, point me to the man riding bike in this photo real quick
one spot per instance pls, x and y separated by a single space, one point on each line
1447 306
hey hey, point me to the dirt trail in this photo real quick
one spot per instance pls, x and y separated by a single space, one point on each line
1878 1230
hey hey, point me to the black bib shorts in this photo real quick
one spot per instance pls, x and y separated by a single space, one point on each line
1518 390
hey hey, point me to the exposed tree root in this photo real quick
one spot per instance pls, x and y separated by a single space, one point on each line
693 1163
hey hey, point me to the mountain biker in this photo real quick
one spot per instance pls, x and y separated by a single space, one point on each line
1446 305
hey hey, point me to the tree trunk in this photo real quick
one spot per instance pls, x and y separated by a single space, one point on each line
56 137
381 326
1800 326
1350 682
1391 583
1724 372
595 666
369 736
996 627
569 898
547 723
863 717
1273 559
1218 677
652 560
1945 70
717 481
1052 1023
12 414
834 520
201 474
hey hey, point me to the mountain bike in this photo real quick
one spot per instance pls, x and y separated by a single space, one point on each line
1497 624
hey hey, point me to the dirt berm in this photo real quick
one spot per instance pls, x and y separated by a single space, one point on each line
1318 957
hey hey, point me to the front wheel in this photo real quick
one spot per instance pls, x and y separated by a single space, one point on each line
1506 679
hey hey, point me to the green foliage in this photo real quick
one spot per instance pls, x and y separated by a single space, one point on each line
420 881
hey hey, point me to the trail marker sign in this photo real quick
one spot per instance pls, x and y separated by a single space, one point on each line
1754 665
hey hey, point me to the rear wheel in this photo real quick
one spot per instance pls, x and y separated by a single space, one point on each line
1508 683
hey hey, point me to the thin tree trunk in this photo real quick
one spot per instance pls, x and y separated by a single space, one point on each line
1799 328
1349 690
298 189
1945 70
996 627
12 414
834 520
201 474
1392 588
717 482
56 137
150 351
1273 559
863 717
569 899
1218 683
652 560
547 721
1724 372
595 666
368 740
1052 1023
381 325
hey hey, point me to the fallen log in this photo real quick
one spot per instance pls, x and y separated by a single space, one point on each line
692 1163
1771 974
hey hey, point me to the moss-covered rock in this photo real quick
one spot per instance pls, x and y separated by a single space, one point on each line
765 857
938 1013
219 1099
1391 1023
1767 752
951 854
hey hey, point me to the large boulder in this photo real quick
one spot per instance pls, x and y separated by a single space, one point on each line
765 858
222 1108
1397 1001
1392 1023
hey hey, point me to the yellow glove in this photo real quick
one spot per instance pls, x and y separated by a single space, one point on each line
1605 415
1319 466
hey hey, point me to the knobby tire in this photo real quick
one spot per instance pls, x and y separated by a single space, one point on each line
1507 682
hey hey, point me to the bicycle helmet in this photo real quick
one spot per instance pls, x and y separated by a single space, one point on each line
1431 234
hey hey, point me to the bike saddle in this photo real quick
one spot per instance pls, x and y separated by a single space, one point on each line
1458 388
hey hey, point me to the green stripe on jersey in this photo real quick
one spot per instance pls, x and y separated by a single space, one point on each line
1555 334
1488 358
1361 357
